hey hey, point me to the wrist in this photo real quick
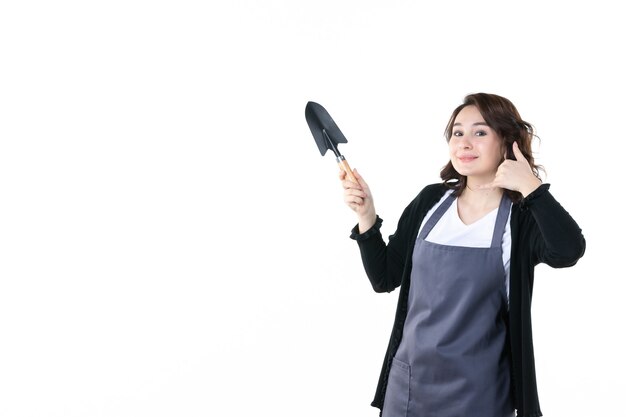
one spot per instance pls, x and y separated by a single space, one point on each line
529 187
366 222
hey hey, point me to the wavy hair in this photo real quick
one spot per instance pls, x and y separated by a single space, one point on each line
501 116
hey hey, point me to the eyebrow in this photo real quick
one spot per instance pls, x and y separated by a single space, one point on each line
475 124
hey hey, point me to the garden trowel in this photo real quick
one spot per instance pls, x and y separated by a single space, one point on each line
326 134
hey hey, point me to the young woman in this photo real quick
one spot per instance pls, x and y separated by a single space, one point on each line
463 255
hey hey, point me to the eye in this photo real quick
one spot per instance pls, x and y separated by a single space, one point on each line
457 133
481 133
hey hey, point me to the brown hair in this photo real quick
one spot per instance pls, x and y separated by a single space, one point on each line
502 116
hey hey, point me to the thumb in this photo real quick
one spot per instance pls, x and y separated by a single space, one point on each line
359 178
518 154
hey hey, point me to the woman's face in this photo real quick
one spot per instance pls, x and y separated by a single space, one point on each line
476 150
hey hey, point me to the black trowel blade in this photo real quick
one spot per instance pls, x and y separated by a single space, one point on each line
319 120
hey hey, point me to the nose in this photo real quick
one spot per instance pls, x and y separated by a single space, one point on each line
464 143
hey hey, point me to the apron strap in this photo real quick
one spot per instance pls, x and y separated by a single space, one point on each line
503 215
432 221
498 231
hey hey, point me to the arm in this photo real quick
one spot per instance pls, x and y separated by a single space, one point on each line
559 242
386 264
383 267
383 263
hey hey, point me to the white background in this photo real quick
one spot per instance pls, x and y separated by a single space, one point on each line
173 244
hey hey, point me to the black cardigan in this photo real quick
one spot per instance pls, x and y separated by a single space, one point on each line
541 231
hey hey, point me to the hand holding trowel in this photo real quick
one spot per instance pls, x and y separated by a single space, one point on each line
326 134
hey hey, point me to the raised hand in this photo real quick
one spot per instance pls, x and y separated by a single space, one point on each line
515 175
359 198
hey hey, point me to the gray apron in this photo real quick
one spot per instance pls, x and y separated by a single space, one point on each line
452 359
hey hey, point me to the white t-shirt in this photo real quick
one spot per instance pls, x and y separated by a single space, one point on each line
450 230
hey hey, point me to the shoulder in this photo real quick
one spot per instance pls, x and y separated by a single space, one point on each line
431 194
427 198
438 187
416 210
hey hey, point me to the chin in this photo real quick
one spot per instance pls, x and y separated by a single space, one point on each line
462 171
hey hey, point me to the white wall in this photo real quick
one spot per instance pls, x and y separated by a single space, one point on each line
172 243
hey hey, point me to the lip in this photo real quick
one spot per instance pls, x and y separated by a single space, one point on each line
466 158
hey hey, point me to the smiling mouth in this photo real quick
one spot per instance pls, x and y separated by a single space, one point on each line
467 158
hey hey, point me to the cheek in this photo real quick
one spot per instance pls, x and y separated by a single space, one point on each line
496 154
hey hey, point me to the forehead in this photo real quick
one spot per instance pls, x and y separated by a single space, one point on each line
469 115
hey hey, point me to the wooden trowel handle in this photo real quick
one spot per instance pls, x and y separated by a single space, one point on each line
344 165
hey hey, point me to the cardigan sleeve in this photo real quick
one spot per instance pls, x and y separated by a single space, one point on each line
385 263
560 242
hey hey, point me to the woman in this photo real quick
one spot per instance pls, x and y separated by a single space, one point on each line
463 255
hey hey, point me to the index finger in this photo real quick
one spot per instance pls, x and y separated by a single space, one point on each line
487 186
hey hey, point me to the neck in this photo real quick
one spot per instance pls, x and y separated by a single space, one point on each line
477 197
